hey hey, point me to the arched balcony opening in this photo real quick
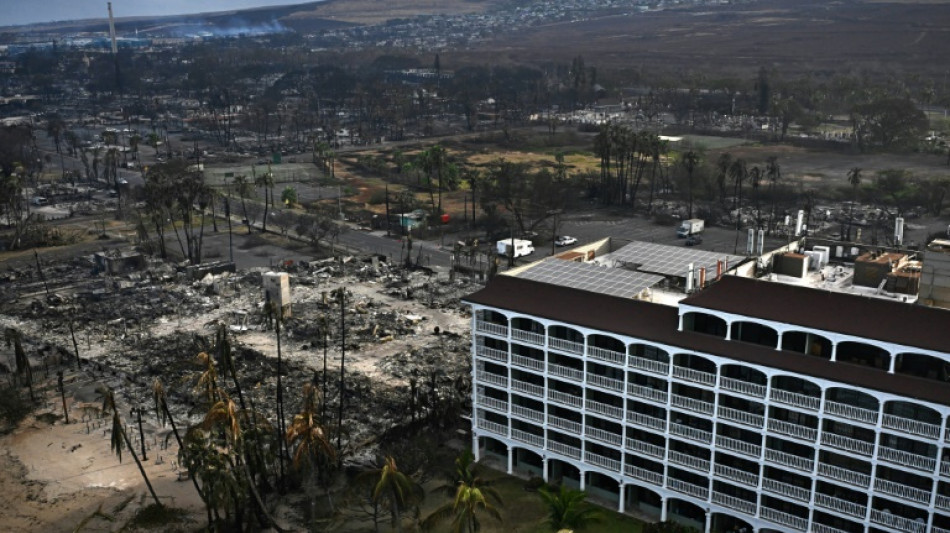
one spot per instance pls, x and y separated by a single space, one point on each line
694 368
912 418
861 353
527 461
807 343
922 366
836 523
493 451
639 499
648 358
488 347
606 457
527 357
848 437
784 511
645 444
566 339
743 379
602 488
563 473
852 404
739 501
705 323
527 331
606 348
491 322
796 392
754 333
891 515
684 511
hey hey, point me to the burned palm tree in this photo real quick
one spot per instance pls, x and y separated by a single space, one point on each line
120 438
24 372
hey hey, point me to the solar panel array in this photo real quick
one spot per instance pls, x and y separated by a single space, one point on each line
590 277
670 260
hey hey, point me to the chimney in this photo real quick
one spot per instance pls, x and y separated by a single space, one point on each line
702 277
689 278
718 270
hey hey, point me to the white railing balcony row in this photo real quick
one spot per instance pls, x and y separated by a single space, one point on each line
684 459
916 427
649 365
847 443
912 460
686 487
604 354
793 430
786 519
935 529
656 478
741 446
572 374
530 388
945 468
564 449
742 417
794 399
487 377
610 411
652 422
604 382
604 436
786 489
737 504
742 387
822 528
530 438
494 427
483 326
565 398
565 424
850 477
527 362
692 404
645 448
492 403
858 414
604 462
902 491
648 393
491 353
565 345
842 506
527 412
797 462
737 475
691 433
696 376
942 502
897 523
530 337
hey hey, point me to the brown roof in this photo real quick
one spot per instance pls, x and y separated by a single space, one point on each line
861 316
658 323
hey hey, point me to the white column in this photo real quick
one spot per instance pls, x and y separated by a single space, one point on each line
511 461
778 345
708 522
583 477
544 469
728 330
663 502
622 500
893 363
834 351
475 451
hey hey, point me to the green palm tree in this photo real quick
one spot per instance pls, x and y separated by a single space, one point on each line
568 508
472 496
395 489
243 187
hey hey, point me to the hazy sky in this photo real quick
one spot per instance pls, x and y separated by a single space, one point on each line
31 11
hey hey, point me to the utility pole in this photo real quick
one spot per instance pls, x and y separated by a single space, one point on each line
339 429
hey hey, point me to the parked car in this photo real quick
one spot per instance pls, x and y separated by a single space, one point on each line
565 240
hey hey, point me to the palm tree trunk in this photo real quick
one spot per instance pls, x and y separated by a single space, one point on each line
138 463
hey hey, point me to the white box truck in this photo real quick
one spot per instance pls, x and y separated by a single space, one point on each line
693 226
521 247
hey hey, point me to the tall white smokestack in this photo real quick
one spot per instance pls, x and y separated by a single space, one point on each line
899 230
800 222
115 48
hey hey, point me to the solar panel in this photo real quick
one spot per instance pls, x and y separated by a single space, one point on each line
590 277
669 260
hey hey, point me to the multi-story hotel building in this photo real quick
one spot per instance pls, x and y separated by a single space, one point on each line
686 385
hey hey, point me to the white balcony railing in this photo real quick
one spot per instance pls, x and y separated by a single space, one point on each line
491 353
563 423
858 414
604 462
742 477
499 330
604 354
684 459
652 422
795 461
847 443
793 398
492 403
696 376
836 473
527 336
649 365
608 437
526 412
565 398
900 457
786 519
691 433
942 502
494 427
530 388
645 448
742 387
822 528
737 504
785 489
902 491
609 411
605 383
793 429
686 487
897 523
564 449
916 427
945 468
692 404
741 446
842 506
648 393
561 371
530 438
487 377
742 417
527 362
565 345
656 478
